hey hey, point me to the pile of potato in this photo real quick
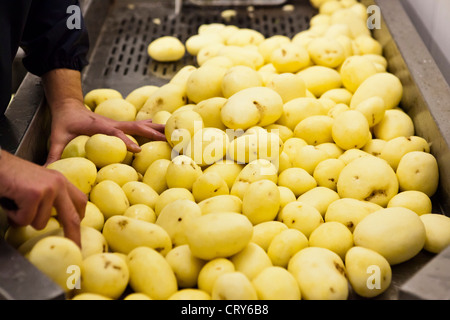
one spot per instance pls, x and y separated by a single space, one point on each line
290 171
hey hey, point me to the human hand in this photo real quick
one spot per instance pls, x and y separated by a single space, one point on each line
35 190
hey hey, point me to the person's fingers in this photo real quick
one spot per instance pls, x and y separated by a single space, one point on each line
54 153
68 216
79 200
26 211
44 210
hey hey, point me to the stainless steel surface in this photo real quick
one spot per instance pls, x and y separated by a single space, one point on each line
121 30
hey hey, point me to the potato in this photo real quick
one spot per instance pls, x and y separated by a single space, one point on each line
169 97
315 129
16 236
326 52
352 154
283 132
288 85
368 272
284 245
261 201
238 78
218 235
415 200
350 17
155 175
209 185
81 172
172 219
331 148
208 56
103 149
117 109
251 260
53 255
253 146
244 36
141 211
190 294
292 145
326 173
437 227
301 216
373 109
90 296
396 233
268 45
384 85
181 127
185 266
211 271
396 148
92 242
354 70
275 283
350 130
286 196
368 45
334 236
96 96
137 296
105 274
308 157
151 274
377 185
338 95
205 82
207 146
110 198
209 110
298 180
319 197
374 147
349 211
170 195
259 106
195 43
320 79
75 147
228 169
233 286
395 123
242 56
182 172
138 192
337 109
118 172
320 274
123 234
139 96
418 170
290 57
166 48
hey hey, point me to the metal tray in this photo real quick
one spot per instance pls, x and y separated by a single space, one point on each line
121 30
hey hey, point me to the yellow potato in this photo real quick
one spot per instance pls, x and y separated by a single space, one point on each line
182 172
123 234
220 203
288 85
298 109
205 82
275 283
320 274
261 201
290 57
280 130
185 266
331 148
117 109
395 123
137 296
110 198
326 173
350 130
319 197
93 217
172 219
155 175
139 96
326 52
209 185
170 195
17 235
396 233
90 296
350 17
268 45
118 172
354 70
166 48
298 180
415 200
245 36
377 185
242 56
368 272
373 109
286 196
207 146
233 286
211 271
418 170
352 154
251 260
105 274
292 145
228 169
209 110
337 109
141 211
308 157
334 236
81 172
195 43
374 147
384 85
53 255
92 242
437 227
151 274
103 149
208 56
284 245
315 129
96 96
338 95
169 97
368 45
75 147
238 78
138 192
301 216
320 79
190 294
394 149
181 127
218 235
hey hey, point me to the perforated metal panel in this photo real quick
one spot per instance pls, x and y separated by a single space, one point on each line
120 59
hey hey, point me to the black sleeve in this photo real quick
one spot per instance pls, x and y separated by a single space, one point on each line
51 40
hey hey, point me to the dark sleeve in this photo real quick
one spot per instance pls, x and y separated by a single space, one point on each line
52 37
